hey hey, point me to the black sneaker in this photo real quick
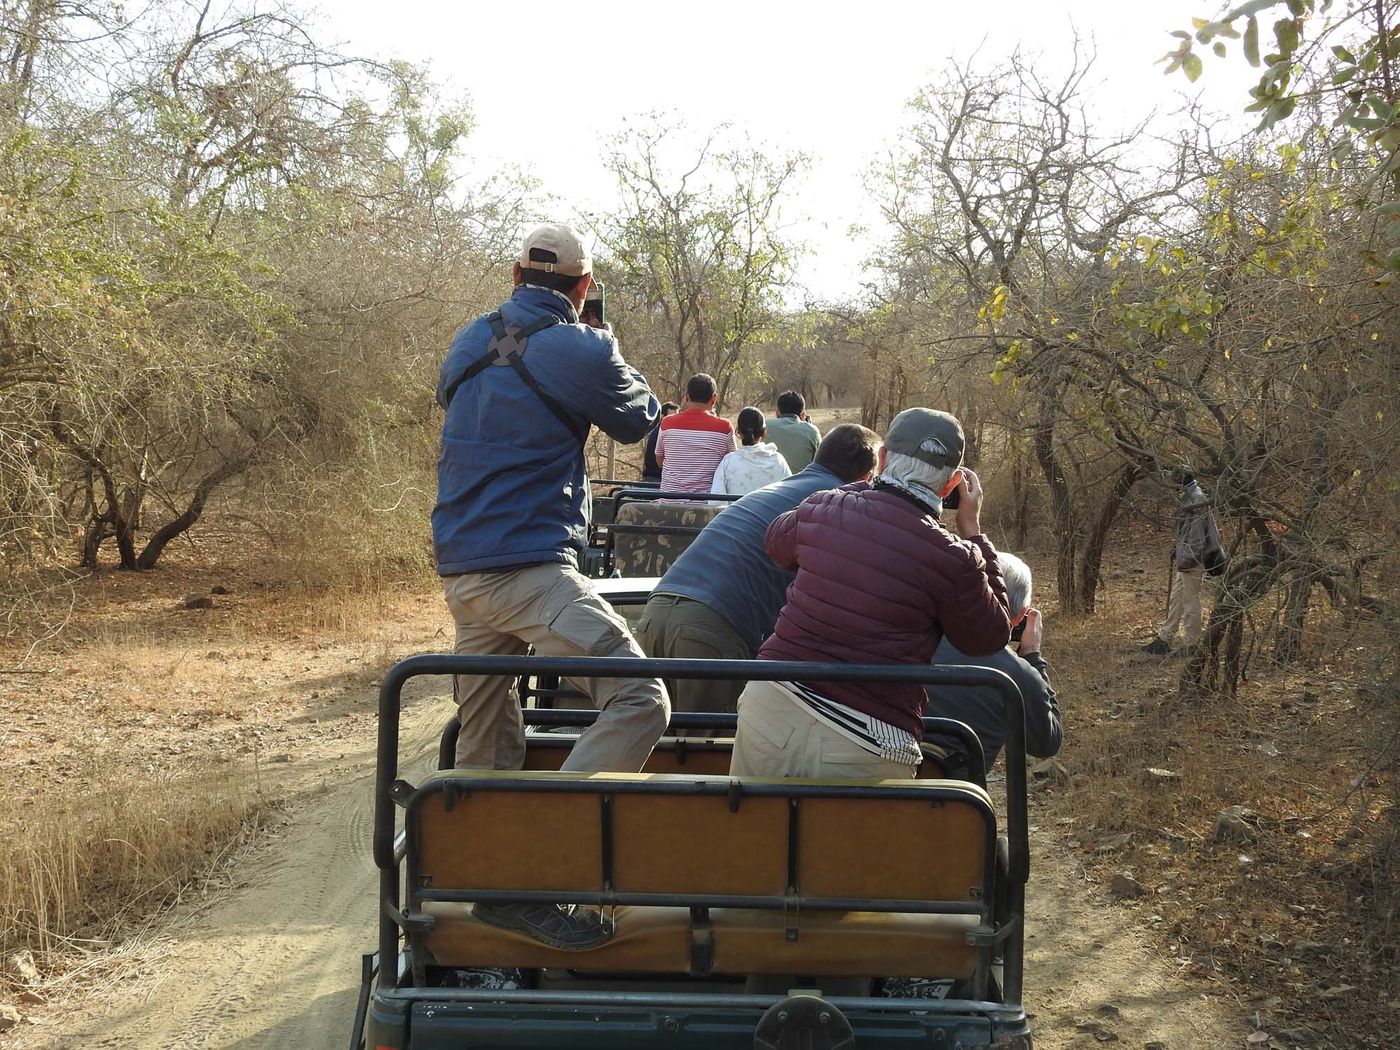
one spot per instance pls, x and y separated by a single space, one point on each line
567 928
1157 647
490 978
915 988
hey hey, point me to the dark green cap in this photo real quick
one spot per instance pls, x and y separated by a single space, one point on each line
913 428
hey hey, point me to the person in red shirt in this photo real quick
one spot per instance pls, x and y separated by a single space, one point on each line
691 443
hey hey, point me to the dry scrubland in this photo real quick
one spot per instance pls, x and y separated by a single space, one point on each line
150 744
154 747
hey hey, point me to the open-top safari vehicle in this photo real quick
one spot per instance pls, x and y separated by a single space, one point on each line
748 912
638 530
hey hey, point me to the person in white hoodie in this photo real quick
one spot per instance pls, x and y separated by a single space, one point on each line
755 463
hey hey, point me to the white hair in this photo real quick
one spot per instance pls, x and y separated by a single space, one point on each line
910 473
1016 574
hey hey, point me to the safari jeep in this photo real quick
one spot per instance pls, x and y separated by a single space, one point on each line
748 912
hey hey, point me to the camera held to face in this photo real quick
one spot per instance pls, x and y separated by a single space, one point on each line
594 312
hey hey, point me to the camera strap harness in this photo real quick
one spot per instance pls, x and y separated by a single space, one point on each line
506 349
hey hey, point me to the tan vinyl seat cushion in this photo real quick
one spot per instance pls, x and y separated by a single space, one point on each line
845 943
932 846
705 757
657 940
647 940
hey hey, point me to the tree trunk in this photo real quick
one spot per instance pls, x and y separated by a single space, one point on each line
126 542
156 545
1295 611
1061 505
1244 584
93 535
1091 561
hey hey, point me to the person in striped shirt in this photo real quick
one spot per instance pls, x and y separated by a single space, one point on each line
692 442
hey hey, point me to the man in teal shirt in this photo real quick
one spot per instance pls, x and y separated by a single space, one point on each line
796 438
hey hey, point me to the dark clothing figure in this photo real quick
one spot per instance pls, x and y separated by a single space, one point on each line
511 488
651 470
981 708
1197 537
881 581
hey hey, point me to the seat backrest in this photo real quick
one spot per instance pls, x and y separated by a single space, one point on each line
704 755
604 510
648 537
708 755
694 840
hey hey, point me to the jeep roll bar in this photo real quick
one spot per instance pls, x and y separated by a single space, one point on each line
711 721
387 789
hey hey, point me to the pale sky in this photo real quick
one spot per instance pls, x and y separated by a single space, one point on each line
828 79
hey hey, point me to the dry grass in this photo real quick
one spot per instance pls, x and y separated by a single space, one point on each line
136 748
125 842
1296 916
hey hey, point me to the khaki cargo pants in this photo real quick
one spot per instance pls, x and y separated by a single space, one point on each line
779 737
553 608
1184 606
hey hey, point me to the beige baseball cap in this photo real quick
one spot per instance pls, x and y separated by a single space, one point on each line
571 258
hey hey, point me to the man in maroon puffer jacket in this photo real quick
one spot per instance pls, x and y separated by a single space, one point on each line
879 581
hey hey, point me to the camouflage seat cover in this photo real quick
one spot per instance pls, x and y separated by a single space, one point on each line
651 553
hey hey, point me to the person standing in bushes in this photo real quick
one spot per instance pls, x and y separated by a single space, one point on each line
796 437
520 389
1197 554
754 463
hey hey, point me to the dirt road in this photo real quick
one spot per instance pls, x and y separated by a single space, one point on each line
275 962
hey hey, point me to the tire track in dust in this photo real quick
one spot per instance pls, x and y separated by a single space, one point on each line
278 963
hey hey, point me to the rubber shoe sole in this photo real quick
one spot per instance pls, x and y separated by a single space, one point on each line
570 931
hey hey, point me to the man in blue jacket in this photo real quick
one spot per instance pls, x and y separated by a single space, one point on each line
520 388
722 596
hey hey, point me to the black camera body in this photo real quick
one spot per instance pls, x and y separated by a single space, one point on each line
594 312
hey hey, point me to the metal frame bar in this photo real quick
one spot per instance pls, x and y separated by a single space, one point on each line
390 703
369 966
697 900
648 495
705 720
619 483
601 999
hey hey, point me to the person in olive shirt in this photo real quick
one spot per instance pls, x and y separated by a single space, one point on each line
796 438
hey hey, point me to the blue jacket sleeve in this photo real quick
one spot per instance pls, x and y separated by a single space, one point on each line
1043 732
618 401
